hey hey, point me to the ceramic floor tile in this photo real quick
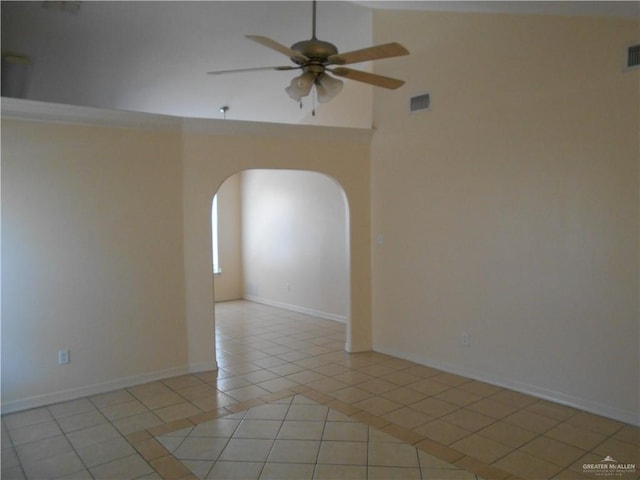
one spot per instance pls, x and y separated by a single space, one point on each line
405 396
393 455
111 398
27 418
287 471
492 408
553 410
176 412
429 386
249 428
80 421
200 448
575 436
92 435
294 451
200 468
407 417
123 469
378 405
621 451
346 431
393 473
49 447
526 466
552 451
125 409
443 432
105 452
343 453
247 393
268 412
596 423
52 467
247 450
342 472
301 430
307 412
507 434
136 423
468 419
236 470
531 421
34 432
378 385
72 407
482 448
434 407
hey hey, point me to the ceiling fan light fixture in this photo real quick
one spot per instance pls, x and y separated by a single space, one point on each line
301 86
327 87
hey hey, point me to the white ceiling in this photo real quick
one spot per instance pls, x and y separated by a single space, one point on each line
152 56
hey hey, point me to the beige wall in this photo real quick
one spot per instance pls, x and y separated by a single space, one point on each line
510 208
214 150
228 285
295 242
92 259
106 240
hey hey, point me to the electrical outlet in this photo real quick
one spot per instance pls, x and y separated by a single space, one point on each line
63 357
464 339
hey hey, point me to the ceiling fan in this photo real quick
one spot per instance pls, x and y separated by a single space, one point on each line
316 59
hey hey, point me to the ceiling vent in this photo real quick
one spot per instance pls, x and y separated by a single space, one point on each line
633 56
420 102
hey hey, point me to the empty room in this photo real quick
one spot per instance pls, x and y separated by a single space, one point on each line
423 261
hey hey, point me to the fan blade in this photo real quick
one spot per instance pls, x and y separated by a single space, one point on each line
366 77
378 52
255 69
278 47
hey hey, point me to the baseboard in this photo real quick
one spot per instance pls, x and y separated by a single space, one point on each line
597 408
203 367
296 308
88 390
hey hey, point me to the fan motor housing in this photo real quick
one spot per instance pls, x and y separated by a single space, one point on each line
317 50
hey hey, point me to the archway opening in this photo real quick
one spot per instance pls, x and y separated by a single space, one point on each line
283 241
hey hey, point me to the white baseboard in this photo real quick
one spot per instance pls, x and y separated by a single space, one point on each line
296 308
203 367
95 389
590 406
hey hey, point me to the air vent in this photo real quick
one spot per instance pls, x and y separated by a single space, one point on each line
633 56
420 102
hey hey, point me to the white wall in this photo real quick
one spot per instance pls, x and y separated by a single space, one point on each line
92 259
510 209
228 285
295 241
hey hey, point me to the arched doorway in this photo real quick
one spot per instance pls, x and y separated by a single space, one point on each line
282 239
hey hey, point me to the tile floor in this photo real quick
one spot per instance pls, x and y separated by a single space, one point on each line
270 358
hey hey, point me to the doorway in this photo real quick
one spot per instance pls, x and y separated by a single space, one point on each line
283 240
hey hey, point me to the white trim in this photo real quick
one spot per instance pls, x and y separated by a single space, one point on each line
587 405
88 390
20 109
297 308
356 348
203 367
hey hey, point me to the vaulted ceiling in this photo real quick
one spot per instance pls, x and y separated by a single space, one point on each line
153 56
